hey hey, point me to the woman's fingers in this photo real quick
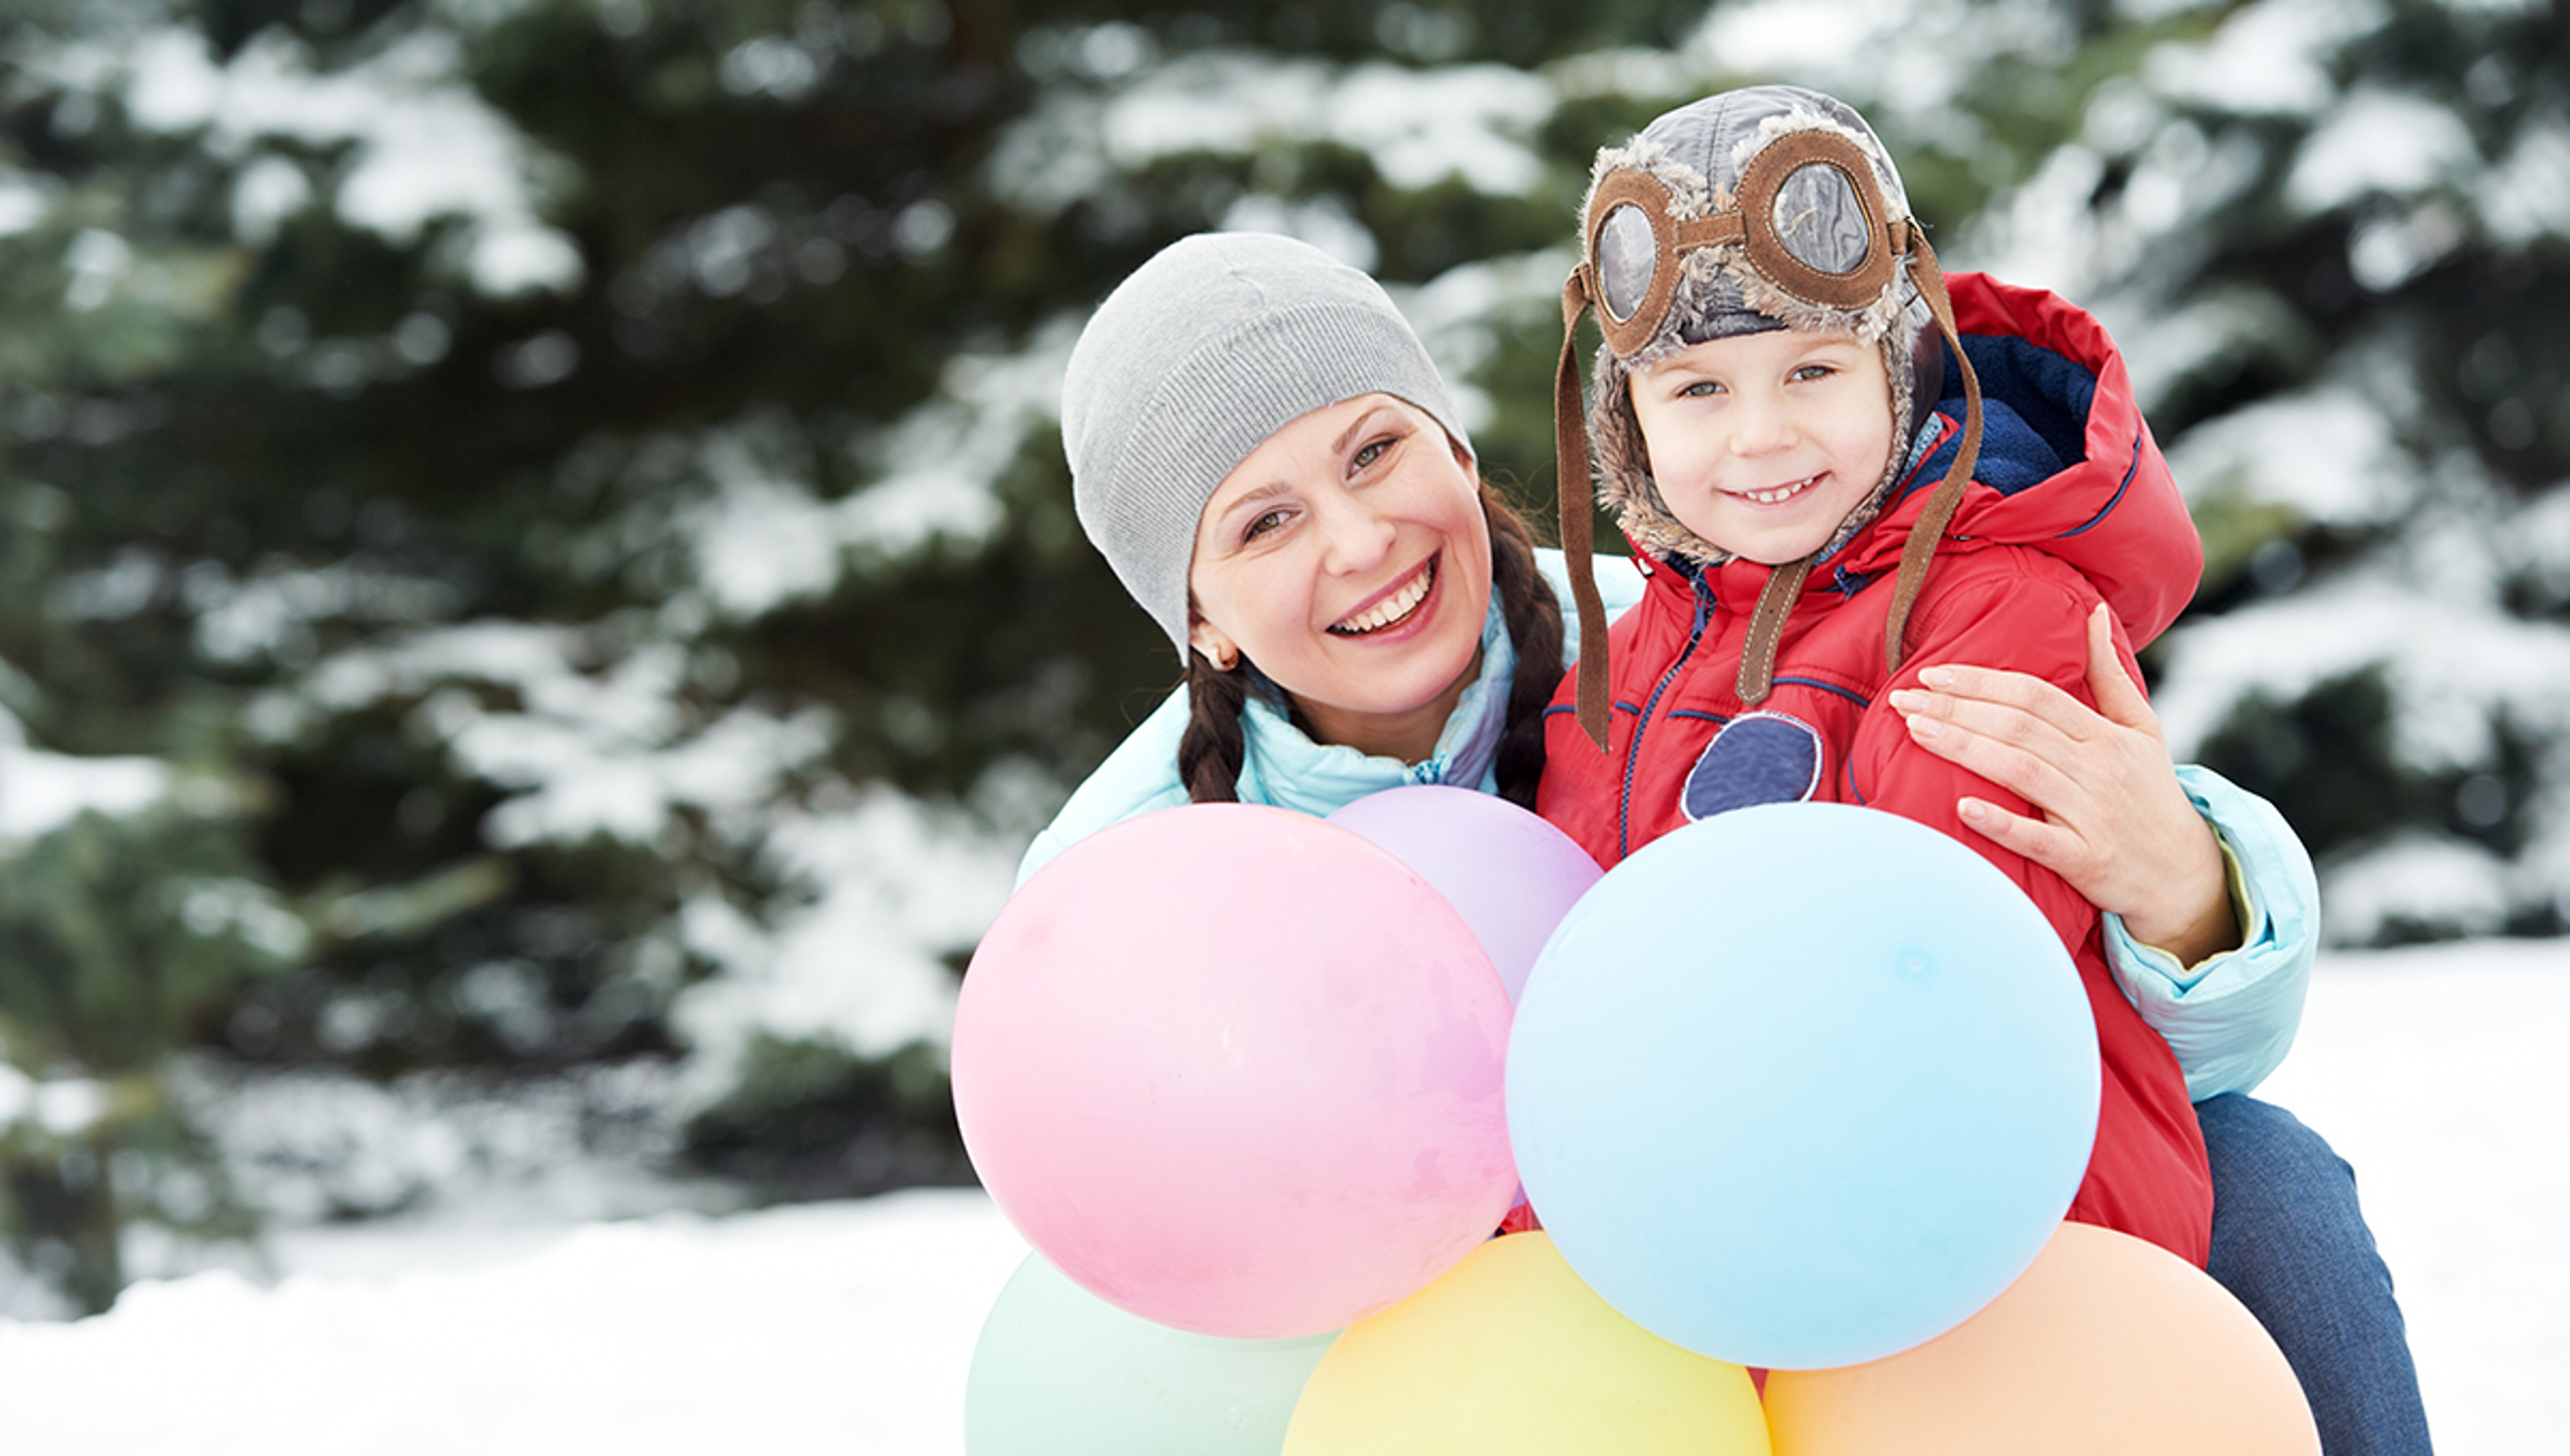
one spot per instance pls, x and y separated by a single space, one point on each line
2119 698
2011 749
1985 696
2053 845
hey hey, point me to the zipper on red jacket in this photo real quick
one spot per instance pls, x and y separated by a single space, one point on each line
1643 722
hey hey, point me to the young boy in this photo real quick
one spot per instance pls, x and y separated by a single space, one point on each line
1821 520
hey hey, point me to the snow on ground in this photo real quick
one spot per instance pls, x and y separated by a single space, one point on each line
848 1327
2436 1073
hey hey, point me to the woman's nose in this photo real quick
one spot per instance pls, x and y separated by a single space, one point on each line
1354 534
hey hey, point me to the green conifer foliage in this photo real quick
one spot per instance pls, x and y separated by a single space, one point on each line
559 502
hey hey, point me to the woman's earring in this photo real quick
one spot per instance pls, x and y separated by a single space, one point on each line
1214 647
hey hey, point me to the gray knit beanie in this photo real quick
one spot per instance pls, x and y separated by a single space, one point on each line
1191 363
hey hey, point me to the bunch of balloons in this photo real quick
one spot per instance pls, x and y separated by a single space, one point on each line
1801 1088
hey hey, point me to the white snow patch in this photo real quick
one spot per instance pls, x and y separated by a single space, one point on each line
41 792
425 144
766 537
267 191
315 1145
2422 878
2326 451
582 775
2428 1069
2451 667
1419 126
59 1107
2526 198
1458 315
895 887
2269 58
23 203
937 472
271 610
1815 42
1324 222
610 752
2379 141
845 1325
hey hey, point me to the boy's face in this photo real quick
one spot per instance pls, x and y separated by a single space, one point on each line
1763 442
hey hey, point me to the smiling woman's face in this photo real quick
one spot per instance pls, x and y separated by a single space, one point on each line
1349 557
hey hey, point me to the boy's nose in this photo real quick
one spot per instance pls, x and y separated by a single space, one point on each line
1760 426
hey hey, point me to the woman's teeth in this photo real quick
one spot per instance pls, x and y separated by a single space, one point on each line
1393 608
1779 494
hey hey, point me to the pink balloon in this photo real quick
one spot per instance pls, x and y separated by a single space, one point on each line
1237 1070
1510 874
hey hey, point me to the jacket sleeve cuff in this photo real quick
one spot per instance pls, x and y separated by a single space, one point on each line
2232 1016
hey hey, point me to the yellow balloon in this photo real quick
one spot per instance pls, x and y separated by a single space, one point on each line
1508 1352
2106 1347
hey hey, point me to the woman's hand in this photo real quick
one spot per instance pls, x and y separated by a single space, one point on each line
2116 825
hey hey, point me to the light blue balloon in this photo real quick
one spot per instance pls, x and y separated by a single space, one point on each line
1802 1085
1059 1372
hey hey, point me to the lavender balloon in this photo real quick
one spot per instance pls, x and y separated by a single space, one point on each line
1512 876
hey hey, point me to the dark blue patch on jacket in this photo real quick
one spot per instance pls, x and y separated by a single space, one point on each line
1761 758
2034 415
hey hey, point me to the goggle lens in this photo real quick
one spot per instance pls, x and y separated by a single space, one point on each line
1627 256
1820 220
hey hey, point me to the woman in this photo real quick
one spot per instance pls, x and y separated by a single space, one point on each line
1262 450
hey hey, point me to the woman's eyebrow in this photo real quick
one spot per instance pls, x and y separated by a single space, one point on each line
1255 495
1355 428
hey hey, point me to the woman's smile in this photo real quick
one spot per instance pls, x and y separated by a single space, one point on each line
1390 608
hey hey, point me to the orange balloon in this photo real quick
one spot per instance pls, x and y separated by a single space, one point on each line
2106 1347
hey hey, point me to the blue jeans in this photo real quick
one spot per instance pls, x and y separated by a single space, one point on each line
2289 1243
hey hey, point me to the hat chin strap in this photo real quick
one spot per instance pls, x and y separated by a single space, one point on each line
1571 498
1930 528
1785 584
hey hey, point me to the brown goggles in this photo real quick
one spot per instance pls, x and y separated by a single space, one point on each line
1810 217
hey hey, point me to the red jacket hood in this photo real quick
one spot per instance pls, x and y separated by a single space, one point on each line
2068 467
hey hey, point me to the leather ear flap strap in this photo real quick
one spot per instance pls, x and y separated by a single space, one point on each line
1767 630
1571 492
1921 549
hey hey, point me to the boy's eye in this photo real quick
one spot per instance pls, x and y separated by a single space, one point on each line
1809 372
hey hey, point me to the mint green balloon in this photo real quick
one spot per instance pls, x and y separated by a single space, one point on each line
1059 1372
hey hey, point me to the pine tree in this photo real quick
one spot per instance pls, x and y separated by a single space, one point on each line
538 539
2342 245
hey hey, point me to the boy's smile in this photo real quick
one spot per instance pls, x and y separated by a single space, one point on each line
1762 444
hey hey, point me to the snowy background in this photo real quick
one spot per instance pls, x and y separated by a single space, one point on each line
847 1326
538 605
